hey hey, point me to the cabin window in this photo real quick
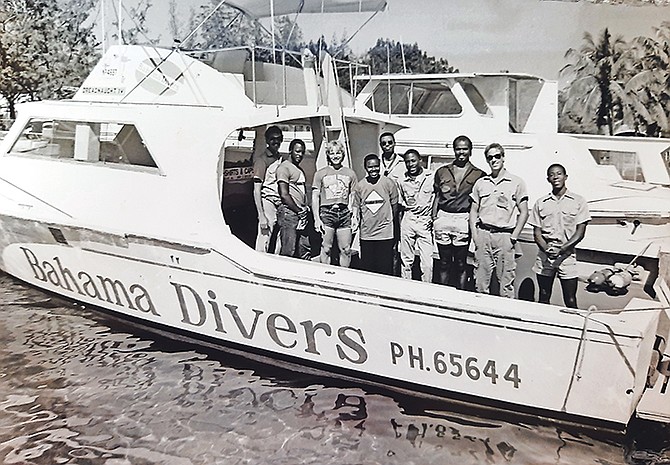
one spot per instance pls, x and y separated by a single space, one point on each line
434 99
399 94
523 95
626 163
666 159
476 98
95 142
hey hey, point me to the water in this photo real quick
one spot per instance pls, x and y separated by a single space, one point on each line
81 387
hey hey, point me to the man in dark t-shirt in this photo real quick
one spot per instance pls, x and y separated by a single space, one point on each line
451 207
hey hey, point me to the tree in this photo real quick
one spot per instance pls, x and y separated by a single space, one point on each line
178 28
649 85
228 27
596 93
289 34
389 56
45 49
137 32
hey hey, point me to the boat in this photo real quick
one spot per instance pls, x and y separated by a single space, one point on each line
519 110
121 199
625 179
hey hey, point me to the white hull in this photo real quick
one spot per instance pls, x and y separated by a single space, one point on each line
115 201
429 336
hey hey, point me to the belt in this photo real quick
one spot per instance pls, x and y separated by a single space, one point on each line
494 229
337 206
455 211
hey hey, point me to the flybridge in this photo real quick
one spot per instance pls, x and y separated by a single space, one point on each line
137 74
228 78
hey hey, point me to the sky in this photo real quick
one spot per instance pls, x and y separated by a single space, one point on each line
529 36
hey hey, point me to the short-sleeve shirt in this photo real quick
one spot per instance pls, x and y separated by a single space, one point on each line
394 170
334 186
558 217
498 198
416 193
265 172
454 197
375 204
291 174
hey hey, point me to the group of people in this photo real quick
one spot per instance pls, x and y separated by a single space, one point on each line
400 209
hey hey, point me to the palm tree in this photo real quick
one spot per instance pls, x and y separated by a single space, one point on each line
596 93
649 85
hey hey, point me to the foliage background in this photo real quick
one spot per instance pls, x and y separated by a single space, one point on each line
47 47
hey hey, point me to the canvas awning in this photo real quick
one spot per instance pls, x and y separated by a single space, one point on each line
264 8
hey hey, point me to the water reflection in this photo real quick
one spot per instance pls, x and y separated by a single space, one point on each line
77 386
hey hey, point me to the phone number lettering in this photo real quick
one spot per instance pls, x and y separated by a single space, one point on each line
455 364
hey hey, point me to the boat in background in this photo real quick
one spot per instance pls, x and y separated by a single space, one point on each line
124 198
518 110
625 180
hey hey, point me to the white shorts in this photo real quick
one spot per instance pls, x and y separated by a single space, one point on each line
564 267
452 228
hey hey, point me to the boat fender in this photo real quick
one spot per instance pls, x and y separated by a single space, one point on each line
620 280
600 277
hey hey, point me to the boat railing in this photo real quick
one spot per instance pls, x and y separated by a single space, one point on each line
275 76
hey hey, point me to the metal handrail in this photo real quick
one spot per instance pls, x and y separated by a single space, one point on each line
288 58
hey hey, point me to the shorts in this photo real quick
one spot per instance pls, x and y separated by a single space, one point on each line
335 216
452 228
565 267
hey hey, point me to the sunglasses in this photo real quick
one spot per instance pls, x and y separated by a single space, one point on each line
497 156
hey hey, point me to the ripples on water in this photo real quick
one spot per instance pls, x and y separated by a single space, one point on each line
79 387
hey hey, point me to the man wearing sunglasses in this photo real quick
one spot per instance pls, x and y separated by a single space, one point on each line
266 190
392 164
498 213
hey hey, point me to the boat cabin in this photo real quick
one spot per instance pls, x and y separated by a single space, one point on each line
134 196
514 109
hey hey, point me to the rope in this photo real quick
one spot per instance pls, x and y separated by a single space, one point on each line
163 60
346 42
579 357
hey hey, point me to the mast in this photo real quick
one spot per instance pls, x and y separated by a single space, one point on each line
102 13
119 21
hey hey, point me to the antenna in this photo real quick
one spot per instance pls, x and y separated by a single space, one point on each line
102 12
120 19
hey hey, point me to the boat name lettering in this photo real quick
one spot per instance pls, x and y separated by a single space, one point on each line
100 287
103 90
453 364
284 332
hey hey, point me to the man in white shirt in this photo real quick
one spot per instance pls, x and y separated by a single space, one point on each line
416 195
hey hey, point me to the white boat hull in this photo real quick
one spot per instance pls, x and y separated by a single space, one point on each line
489 348
146 143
